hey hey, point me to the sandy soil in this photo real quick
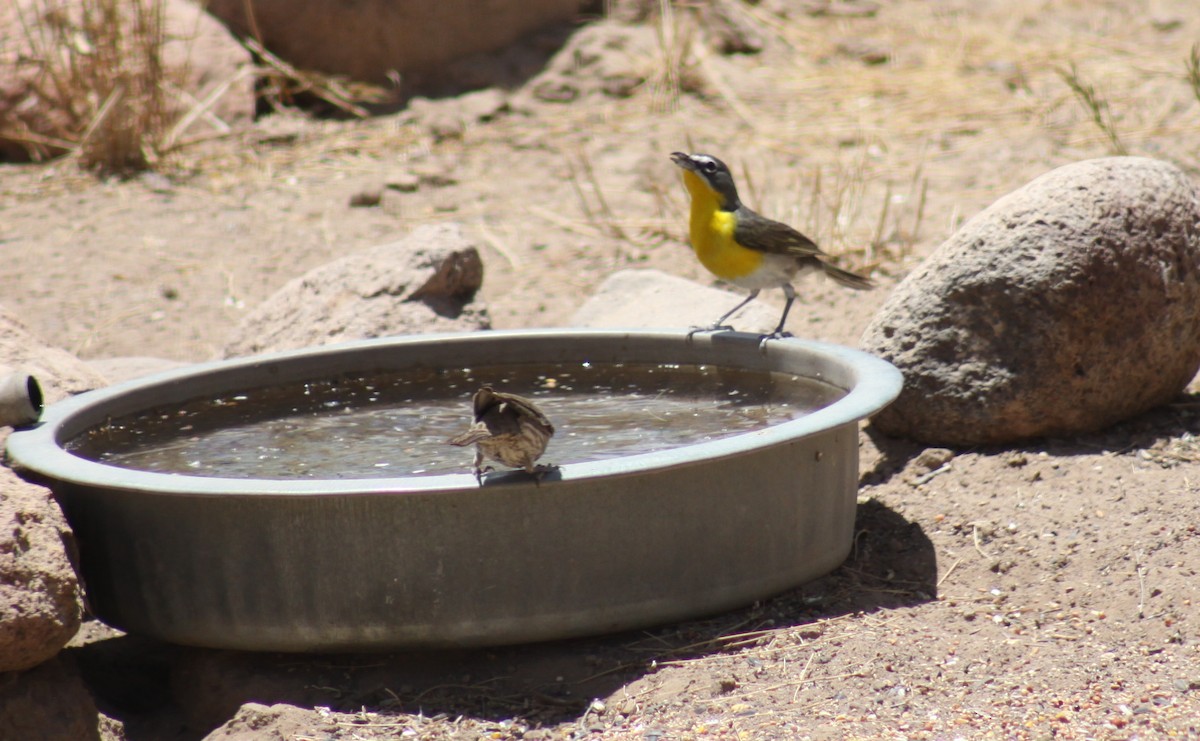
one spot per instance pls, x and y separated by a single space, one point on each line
1043 591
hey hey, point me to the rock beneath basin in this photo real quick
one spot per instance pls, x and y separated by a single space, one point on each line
1066 306
40 605
423 283
49 702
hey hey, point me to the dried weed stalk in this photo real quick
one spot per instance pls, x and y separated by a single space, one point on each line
673 71
1192 64
100 80
1096 106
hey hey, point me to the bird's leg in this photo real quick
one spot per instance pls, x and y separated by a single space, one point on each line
720 323
779 332
791 297
479 469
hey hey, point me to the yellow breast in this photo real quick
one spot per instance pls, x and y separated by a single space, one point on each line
711 231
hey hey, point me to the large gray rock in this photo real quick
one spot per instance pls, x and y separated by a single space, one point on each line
40 605
1066 306
369 39
422 283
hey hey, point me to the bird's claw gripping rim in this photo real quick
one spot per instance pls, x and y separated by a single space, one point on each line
776 335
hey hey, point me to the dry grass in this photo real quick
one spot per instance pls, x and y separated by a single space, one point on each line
1192 65
102 93
673 71
101 80
1096 107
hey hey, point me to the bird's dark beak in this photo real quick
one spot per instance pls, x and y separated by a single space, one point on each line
683 160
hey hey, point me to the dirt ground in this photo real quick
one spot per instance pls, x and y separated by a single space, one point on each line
1041 591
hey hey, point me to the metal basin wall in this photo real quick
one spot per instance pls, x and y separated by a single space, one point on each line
437 561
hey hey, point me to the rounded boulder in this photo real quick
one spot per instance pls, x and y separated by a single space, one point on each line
1063 308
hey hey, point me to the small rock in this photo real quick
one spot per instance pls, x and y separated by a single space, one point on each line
425 282
1009 72
483 106
1066 306
1166 22
405 182
555 90
445 126
436 173
622 85
864 50
257 721
366 199
841 8
731 30
156 182
931 459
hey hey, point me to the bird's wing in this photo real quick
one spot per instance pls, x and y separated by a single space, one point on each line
528 410
760 233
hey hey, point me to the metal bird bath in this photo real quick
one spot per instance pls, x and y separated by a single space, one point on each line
438 560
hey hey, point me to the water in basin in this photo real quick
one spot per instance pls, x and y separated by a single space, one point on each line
396 423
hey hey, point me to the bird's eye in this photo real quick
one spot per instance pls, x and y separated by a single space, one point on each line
710 166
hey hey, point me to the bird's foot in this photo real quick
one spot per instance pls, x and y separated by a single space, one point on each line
718 327
479 472
539 471
778 334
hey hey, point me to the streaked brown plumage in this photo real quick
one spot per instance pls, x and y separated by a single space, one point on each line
508 429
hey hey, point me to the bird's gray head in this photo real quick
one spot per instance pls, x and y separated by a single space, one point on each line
713 172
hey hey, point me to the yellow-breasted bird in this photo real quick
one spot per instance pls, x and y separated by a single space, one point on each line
508 429
740 246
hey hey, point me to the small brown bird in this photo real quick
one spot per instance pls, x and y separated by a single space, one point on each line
508 429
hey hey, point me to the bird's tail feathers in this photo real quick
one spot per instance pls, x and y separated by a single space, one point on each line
846 278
